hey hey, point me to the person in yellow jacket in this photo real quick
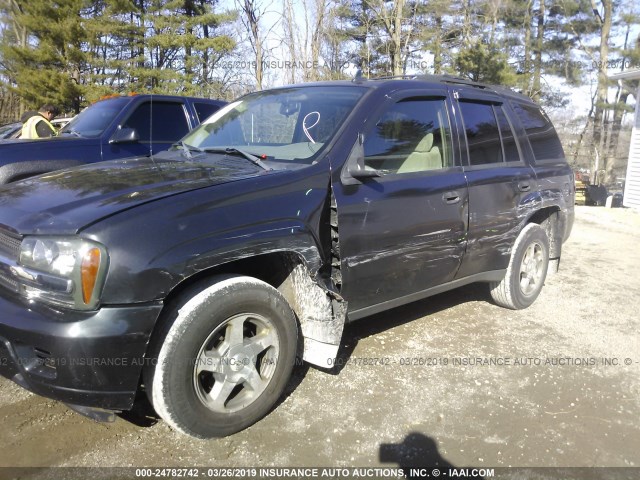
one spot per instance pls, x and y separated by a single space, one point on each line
38 124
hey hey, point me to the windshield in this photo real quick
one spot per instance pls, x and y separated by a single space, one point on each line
291 124
8 130
94 120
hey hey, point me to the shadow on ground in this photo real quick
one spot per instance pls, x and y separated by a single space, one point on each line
418 456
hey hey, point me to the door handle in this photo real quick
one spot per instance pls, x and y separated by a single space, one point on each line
451 197
524 186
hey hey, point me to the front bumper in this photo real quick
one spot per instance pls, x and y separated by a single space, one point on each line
91 359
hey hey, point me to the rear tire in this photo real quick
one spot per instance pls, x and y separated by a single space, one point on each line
526 272
224 357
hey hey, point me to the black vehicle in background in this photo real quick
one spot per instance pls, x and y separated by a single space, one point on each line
113 128
199 274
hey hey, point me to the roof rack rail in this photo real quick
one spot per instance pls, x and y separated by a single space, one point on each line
452 80
392 77
438 78
455 80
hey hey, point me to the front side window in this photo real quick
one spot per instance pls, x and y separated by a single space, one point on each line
289 124
413 135
94 120
159 122
483 134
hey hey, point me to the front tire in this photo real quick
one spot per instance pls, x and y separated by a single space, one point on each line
224 357
526 272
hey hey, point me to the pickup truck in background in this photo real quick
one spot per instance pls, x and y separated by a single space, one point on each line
117 127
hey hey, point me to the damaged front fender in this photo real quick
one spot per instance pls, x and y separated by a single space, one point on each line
321 313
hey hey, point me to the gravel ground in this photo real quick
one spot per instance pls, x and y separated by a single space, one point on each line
562 390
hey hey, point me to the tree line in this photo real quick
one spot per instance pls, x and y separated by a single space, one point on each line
73 52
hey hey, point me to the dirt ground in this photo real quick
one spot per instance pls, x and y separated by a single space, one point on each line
562 390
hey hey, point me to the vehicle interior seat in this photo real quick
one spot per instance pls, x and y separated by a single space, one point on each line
426 156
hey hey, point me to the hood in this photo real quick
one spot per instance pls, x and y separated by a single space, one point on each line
65 147
65 201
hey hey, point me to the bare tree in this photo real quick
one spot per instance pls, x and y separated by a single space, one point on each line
291 39
251 13
604 20
539 46
391 19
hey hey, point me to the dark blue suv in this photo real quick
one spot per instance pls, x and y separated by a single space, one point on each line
110 129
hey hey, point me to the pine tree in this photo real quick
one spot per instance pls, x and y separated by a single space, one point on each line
156 46
47 69
484 63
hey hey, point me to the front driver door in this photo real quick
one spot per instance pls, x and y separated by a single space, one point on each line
404 231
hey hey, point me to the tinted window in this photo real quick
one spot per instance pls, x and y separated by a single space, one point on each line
166 121
93 120
542 136
204 110
412 136
483 135
508 138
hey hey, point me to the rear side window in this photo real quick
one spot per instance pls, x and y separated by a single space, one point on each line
542 136
205 110
413 135
165 121
511 153
483 134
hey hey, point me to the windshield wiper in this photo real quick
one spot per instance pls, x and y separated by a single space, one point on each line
234 151
187 149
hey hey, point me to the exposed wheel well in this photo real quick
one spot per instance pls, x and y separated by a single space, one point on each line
548 219
271 268
319 310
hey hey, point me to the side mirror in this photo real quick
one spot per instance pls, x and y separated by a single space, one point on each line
355 164
125 135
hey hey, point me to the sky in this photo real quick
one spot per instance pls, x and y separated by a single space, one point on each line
579 98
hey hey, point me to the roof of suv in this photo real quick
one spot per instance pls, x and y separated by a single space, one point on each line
396 81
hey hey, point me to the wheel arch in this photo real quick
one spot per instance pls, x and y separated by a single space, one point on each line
319 310
551 221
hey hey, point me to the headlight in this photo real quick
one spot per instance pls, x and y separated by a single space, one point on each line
63 271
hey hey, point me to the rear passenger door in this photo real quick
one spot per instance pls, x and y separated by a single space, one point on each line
403 231
500 181
158 124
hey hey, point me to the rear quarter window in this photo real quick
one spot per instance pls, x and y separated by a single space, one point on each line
542 135
205 110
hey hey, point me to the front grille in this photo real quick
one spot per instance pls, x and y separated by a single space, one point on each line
10 250
8 283
10 245
7 280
